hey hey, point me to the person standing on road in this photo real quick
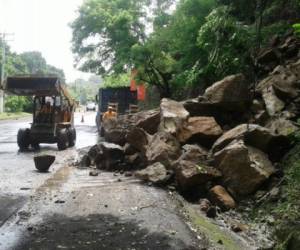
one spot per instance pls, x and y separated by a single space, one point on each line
109 120
109 114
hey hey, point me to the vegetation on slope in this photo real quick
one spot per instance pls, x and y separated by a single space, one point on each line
177 45
285 210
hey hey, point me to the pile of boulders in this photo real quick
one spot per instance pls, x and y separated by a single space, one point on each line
280 49
223 145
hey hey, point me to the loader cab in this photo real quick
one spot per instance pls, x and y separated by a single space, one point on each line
53 112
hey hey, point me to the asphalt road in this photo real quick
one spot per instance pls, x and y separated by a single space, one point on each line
68 209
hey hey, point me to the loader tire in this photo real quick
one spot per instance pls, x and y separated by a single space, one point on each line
72 137
62 139
23 139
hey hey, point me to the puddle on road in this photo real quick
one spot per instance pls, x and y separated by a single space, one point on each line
56 180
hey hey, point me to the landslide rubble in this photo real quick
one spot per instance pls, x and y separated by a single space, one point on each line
218 149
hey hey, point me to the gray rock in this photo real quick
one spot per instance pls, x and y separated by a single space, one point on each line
164 148
138 139
116 135
273 104
203 130
193 153
190 175
155 173
149 121
244 168
172 116
106 155
284 80
231 92
282 126
256 136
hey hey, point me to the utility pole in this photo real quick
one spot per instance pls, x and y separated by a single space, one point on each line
3 43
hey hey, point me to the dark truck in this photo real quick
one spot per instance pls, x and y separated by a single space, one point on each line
121 96
53 111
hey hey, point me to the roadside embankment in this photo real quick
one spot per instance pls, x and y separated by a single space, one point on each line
18 115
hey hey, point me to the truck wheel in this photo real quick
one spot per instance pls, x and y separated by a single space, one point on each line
23 139
72 137
62 139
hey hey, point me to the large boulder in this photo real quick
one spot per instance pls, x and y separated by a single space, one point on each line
256 136
261 118
223 115
116 135
282 126
129 149
172 116
135 161
106 155
149 121
203 130
268 56
94 152
220 197
115 130
230 93
138 139
189 174
200 107
290 47
155 173
164 148
193 153
285 80
244 168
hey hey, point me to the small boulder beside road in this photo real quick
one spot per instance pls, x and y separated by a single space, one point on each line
155 173
43 162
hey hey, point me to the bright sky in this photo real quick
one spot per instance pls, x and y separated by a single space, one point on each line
42 25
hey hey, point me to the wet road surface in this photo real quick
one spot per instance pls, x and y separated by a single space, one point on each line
68 209
17 168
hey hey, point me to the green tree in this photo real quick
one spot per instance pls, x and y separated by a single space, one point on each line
109 37
180 37
225 44
114 81
104 33
274 10
190 47
35 62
